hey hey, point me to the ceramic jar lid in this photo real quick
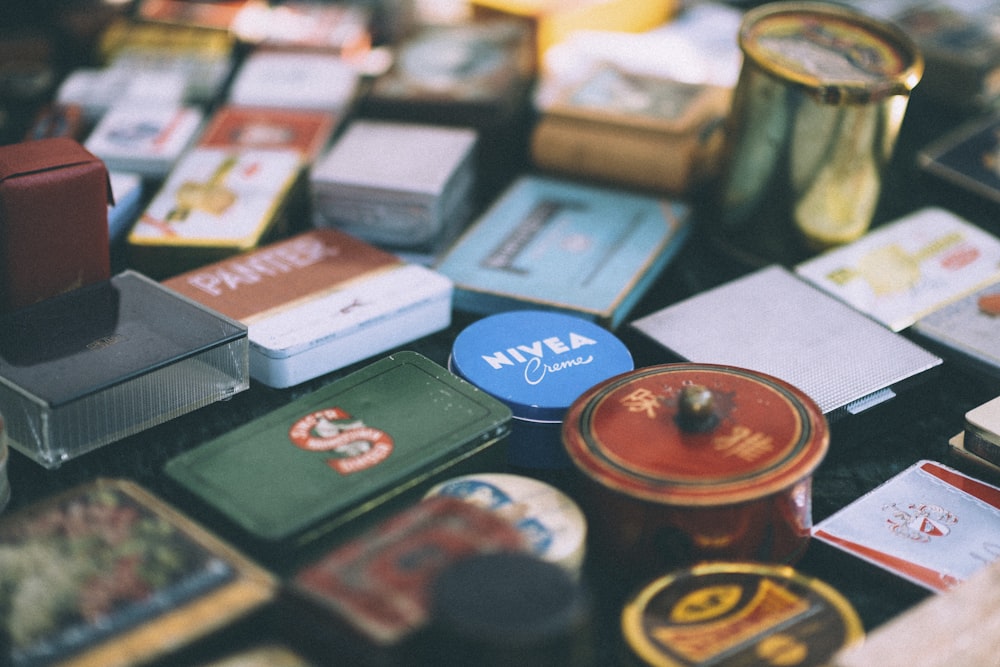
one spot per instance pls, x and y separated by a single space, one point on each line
695 435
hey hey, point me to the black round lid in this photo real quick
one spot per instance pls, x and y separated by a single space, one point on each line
497 607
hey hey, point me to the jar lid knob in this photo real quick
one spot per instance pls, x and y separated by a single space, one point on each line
696 409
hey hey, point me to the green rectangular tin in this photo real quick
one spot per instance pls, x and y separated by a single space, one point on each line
327 458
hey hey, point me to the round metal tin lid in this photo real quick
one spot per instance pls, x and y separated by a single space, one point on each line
638 434
841 53
537 362
738 613
554 525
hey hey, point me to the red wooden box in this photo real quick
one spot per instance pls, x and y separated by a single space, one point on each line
54 198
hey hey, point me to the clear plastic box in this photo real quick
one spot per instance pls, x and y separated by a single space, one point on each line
108 360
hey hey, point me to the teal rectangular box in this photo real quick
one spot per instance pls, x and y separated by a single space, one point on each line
572 247
327 458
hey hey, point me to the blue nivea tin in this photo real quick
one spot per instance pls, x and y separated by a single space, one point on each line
537 363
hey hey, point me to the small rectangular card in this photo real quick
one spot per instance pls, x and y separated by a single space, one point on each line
772 322
108 575
334 454
968 329
567 246
901 271
216 203
930 524
295 80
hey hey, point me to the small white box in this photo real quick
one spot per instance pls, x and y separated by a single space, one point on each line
400 184
319 301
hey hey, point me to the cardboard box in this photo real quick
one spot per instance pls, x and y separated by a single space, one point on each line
54 198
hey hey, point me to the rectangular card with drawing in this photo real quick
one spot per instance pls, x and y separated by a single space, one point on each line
909 267
930 524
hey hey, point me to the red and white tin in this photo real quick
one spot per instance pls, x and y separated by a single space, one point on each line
691 462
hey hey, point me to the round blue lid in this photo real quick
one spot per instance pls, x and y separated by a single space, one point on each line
537 362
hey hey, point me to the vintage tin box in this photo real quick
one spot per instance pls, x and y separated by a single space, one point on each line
537 363
398 184
86 368
327 458
981 435
735 613
908 268
107 575
216 203
552 523
960 42
633 130
559 245
144 138
929 524
689 462
267 128
773 322
811 130
319 301
369 598
54 198
302 25
295 80
200 59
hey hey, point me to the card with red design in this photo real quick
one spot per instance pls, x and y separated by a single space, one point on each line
930 524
